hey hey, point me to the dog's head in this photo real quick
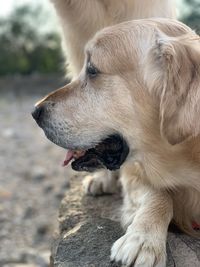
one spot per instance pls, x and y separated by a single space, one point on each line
138 76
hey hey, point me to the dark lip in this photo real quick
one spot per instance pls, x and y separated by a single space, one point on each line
109 153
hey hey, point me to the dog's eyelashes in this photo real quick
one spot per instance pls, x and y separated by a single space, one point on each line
92 71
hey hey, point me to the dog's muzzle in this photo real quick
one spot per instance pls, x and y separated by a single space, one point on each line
110 152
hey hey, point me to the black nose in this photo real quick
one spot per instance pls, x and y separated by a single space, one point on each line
37 112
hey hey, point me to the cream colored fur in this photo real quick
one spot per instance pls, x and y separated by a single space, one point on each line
148 79
80 20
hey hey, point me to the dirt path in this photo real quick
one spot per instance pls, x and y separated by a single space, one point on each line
32 181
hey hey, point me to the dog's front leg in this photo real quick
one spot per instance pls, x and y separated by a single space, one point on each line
80 20
102 182
146 214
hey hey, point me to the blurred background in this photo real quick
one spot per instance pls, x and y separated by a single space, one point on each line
32 181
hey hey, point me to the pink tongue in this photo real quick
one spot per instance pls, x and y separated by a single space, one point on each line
68 157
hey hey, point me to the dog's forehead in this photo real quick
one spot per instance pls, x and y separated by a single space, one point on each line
112 48
123 39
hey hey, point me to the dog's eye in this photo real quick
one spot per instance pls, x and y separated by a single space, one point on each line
92 71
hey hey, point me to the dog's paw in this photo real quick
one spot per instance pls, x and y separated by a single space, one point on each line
100 184
138 250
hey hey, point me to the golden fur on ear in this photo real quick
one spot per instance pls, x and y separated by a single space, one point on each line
180 96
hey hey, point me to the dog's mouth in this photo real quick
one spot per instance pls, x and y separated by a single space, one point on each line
110 153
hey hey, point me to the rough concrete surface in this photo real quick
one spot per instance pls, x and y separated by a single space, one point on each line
89 226
88 244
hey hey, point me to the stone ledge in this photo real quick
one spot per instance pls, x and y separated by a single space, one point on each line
90 225
88 244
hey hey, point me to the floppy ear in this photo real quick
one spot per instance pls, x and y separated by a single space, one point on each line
179 61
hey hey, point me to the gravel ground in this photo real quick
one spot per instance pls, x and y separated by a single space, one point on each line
32 181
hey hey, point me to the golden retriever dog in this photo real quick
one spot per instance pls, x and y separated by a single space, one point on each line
80 20
136 105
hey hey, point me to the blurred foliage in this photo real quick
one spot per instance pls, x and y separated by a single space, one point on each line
24 47
192 16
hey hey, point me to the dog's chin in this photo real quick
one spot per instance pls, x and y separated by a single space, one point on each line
109 153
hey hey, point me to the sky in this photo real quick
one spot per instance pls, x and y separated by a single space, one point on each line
7 6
